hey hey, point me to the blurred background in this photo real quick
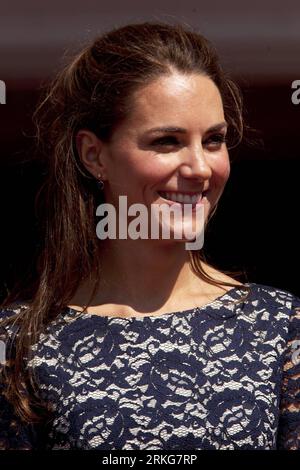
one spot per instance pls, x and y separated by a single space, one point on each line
255 228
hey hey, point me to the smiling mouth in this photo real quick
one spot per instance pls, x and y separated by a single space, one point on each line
182 198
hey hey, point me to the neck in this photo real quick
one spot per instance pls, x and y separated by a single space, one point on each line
142 275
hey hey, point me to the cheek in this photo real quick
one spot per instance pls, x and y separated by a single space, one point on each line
133 173
145 170
131 162
220 173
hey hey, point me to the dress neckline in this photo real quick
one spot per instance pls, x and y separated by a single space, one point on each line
231 294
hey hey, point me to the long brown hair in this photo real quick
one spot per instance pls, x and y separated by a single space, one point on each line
93 91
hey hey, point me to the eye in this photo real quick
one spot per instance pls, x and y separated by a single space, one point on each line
216 140
166 141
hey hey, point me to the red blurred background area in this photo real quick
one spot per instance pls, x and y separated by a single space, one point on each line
255 227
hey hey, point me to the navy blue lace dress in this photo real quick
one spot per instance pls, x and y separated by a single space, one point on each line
221 376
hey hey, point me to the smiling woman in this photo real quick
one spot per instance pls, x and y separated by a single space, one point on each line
139 343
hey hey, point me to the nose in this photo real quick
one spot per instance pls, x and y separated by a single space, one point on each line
194 164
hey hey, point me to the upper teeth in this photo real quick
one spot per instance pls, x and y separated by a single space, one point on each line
180 197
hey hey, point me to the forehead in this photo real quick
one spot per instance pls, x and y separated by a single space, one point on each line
178 96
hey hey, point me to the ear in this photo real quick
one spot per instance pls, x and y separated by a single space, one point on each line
89 148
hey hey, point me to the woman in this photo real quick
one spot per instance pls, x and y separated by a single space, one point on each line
139 343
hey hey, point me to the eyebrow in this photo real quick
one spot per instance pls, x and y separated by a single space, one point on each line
215 128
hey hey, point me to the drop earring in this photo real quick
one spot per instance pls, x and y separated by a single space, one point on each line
100 182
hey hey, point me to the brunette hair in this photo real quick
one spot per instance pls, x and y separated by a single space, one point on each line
94 91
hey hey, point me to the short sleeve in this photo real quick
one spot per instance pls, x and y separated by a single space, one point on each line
14 434
288 436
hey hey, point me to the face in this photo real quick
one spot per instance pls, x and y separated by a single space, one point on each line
171 147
